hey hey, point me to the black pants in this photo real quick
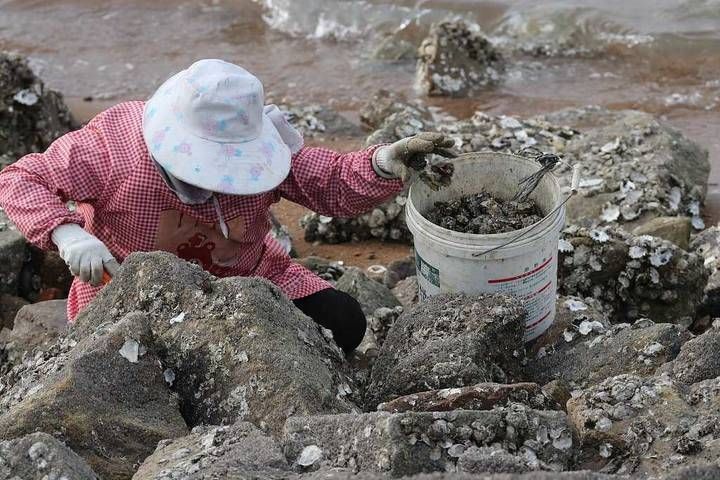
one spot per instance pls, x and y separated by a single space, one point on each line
338 312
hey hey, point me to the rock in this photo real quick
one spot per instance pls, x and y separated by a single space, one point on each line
483 396
371 294
406 291
323 268
455 60
707 245
344 474
698 360
384 103
558 391
238 349
233 451
487 460
385 222
633 276
381 320
646 170
13 246
45 277
449 341
673 229
39 456
31 116
581 349
695 472
399 270
408 443
36 325
110 408
317 121
646 425
9 306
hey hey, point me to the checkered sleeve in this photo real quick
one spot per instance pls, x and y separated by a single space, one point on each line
337 184
34 190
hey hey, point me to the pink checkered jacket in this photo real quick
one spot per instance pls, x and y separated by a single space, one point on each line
106 169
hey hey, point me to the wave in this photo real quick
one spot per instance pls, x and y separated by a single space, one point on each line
336 19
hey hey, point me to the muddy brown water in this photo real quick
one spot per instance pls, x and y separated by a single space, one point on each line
660 56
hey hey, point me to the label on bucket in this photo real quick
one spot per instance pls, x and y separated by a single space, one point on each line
430 284
532 286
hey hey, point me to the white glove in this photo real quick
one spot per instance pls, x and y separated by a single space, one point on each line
397 160
86 256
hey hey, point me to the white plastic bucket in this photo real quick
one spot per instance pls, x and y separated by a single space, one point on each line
525 267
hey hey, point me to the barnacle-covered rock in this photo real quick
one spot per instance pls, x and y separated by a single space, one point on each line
582 348
646 425
408 443
636 169
234 348
384 103
323 268
385 222
456 59
450 340
707 245
370 294
236 451
31 115
39 456
106 398
317 121
636 276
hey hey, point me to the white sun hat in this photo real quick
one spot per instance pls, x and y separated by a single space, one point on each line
206 127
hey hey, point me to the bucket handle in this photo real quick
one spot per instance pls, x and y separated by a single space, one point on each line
574 187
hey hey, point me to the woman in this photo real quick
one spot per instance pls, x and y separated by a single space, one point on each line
194 171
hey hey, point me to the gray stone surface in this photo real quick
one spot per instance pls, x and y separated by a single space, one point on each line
31 115
36 325
236 347
13 249
216 452
106 398
371 294
39 456
10 305
581 348
406 291
409 443
673 229
699 359
456 60
449 341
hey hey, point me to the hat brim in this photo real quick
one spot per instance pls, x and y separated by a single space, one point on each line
246 168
